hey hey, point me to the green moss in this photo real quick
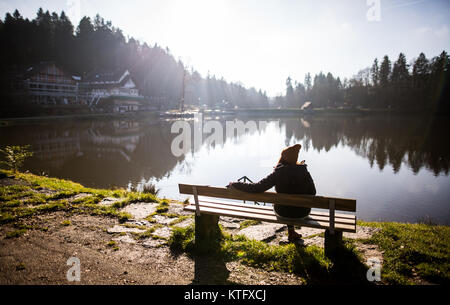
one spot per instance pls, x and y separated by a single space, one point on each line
162 207
129 225
16 233
66 223
161 210
133 197
35 199
90 199
248 223
413 249
150 218
182 239
15 200
62 195
147 234
123 216
11 203
20 266
178 220
50 183
111 243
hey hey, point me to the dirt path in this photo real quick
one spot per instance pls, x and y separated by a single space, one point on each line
40 257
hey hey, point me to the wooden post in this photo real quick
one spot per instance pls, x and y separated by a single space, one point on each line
207 232
197 206
333 241
331 203
333 238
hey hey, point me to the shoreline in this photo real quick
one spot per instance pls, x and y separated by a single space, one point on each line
257 112
116 229
82 116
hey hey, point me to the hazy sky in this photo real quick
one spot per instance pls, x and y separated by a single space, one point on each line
260 43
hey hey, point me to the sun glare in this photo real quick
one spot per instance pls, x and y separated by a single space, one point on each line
197 29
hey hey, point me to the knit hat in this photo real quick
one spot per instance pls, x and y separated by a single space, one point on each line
289 155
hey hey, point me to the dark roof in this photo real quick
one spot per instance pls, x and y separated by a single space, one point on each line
104 77
30 71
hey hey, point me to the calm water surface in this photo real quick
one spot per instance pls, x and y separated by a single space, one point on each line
396 168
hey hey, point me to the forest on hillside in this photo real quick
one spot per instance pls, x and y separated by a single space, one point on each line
421 85
96 45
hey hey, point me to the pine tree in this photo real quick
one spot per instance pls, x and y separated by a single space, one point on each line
375 73
400 83
421 81
384 77
385 72
289 93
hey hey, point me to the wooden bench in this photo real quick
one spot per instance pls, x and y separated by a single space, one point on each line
208 210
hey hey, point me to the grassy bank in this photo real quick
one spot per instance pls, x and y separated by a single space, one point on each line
27 195
412 253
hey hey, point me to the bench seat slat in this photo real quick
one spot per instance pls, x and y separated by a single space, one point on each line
270 208
250 209
271 218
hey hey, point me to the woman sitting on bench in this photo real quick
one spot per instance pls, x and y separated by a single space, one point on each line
290 177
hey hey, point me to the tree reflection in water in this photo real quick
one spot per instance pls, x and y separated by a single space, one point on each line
109 153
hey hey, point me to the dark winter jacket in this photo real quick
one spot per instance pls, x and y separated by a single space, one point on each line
289 179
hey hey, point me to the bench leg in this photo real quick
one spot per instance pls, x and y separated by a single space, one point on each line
207 232
333 241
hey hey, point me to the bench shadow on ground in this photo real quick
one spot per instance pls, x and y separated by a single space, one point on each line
346 268
209 269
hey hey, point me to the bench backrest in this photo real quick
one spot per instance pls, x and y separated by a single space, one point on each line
309 201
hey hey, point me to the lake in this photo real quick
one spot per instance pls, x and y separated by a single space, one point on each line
395 167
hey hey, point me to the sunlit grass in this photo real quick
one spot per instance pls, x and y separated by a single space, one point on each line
304 261
413 250
35 195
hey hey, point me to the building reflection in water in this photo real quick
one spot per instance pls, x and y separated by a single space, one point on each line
113 153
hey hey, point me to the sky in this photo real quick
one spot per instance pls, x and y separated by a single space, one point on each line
261 43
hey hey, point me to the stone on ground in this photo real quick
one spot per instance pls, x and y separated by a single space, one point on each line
120 229
262 232
140 210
